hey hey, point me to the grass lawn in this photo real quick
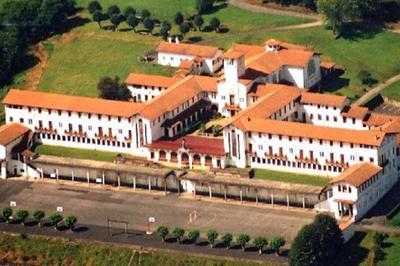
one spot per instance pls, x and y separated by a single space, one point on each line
376 52
76 153
45 251
392 92
291 178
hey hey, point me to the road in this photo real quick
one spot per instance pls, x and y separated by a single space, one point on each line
92 207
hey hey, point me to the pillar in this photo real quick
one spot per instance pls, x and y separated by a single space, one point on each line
119 181
57 175
72 176
165 186
304 203
103 177
241 195
287 200
225 196
3 170
272 199
209 191
178 187
194 189
190 161
88 177
149 180
134 183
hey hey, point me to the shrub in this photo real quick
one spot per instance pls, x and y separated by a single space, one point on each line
162 231
260 242
214 24
227 239
148 24
194 235
94 6
242 239
212 235
145 14
70 222
178 233
276 243
21 215
378 238
366 78
178 18
38 215
7 212
54 219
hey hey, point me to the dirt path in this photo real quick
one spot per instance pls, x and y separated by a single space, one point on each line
34 74
267 10
371 93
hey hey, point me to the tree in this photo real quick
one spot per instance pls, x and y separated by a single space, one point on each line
227 239
22 215
162 231
52 15
7 212
70 222
178 18
145 14
214 24
276 243
38 215
366 78
132 21
199 21
10 51
54 219
260 242
98 17
117 19
165 28
212 235
193 236
203 6
242 239
184 28
113 10
112 89
337 12
378 238
148 24
166 24
129 11
178 233
94 6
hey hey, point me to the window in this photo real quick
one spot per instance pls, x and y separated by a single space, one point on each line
90 128
30 121
119 131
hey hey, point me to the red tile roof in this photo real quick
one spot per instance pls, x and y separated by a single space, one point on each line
71 103
195 144
323 99
355 112
150 80
11 132
357 174
187 49
294 129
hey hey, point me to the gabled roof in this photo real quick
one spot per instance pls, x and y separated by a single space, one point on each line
295 129
357 174
11 132
323 99
176 95
71 103
355 112
187 49
150 80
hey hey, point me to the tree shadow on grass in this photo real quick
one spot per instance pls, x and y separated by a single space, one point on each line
358 31
195 39
216 8
354 254
81 229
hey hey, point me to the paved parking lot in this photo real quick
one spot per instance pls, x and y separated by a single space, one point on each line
93 206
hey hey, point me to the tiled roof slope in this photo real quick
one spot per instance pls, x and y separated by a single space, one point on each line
357 174
187 49
11 132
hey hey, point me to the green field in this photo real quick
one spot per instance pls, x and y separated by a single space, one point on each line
291 178
76 153
392 92
393 218
14 250
376 52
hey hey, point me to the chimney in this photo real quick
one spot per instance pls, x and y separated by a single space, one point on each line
177 39
169 39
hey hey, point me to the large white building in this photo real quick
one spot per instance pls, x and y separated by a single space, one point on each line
267 124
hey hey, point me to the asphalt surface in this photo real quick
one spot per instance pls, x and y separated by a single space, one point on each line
93 206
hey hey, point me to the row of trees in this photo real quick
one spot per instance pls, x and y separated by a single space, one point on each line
24 22
311 4
53 219
133 19
242 239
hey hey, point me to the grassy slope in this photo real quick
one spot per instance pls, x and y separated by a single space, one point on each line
291 178
76 153
392 91
377 53
42 251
